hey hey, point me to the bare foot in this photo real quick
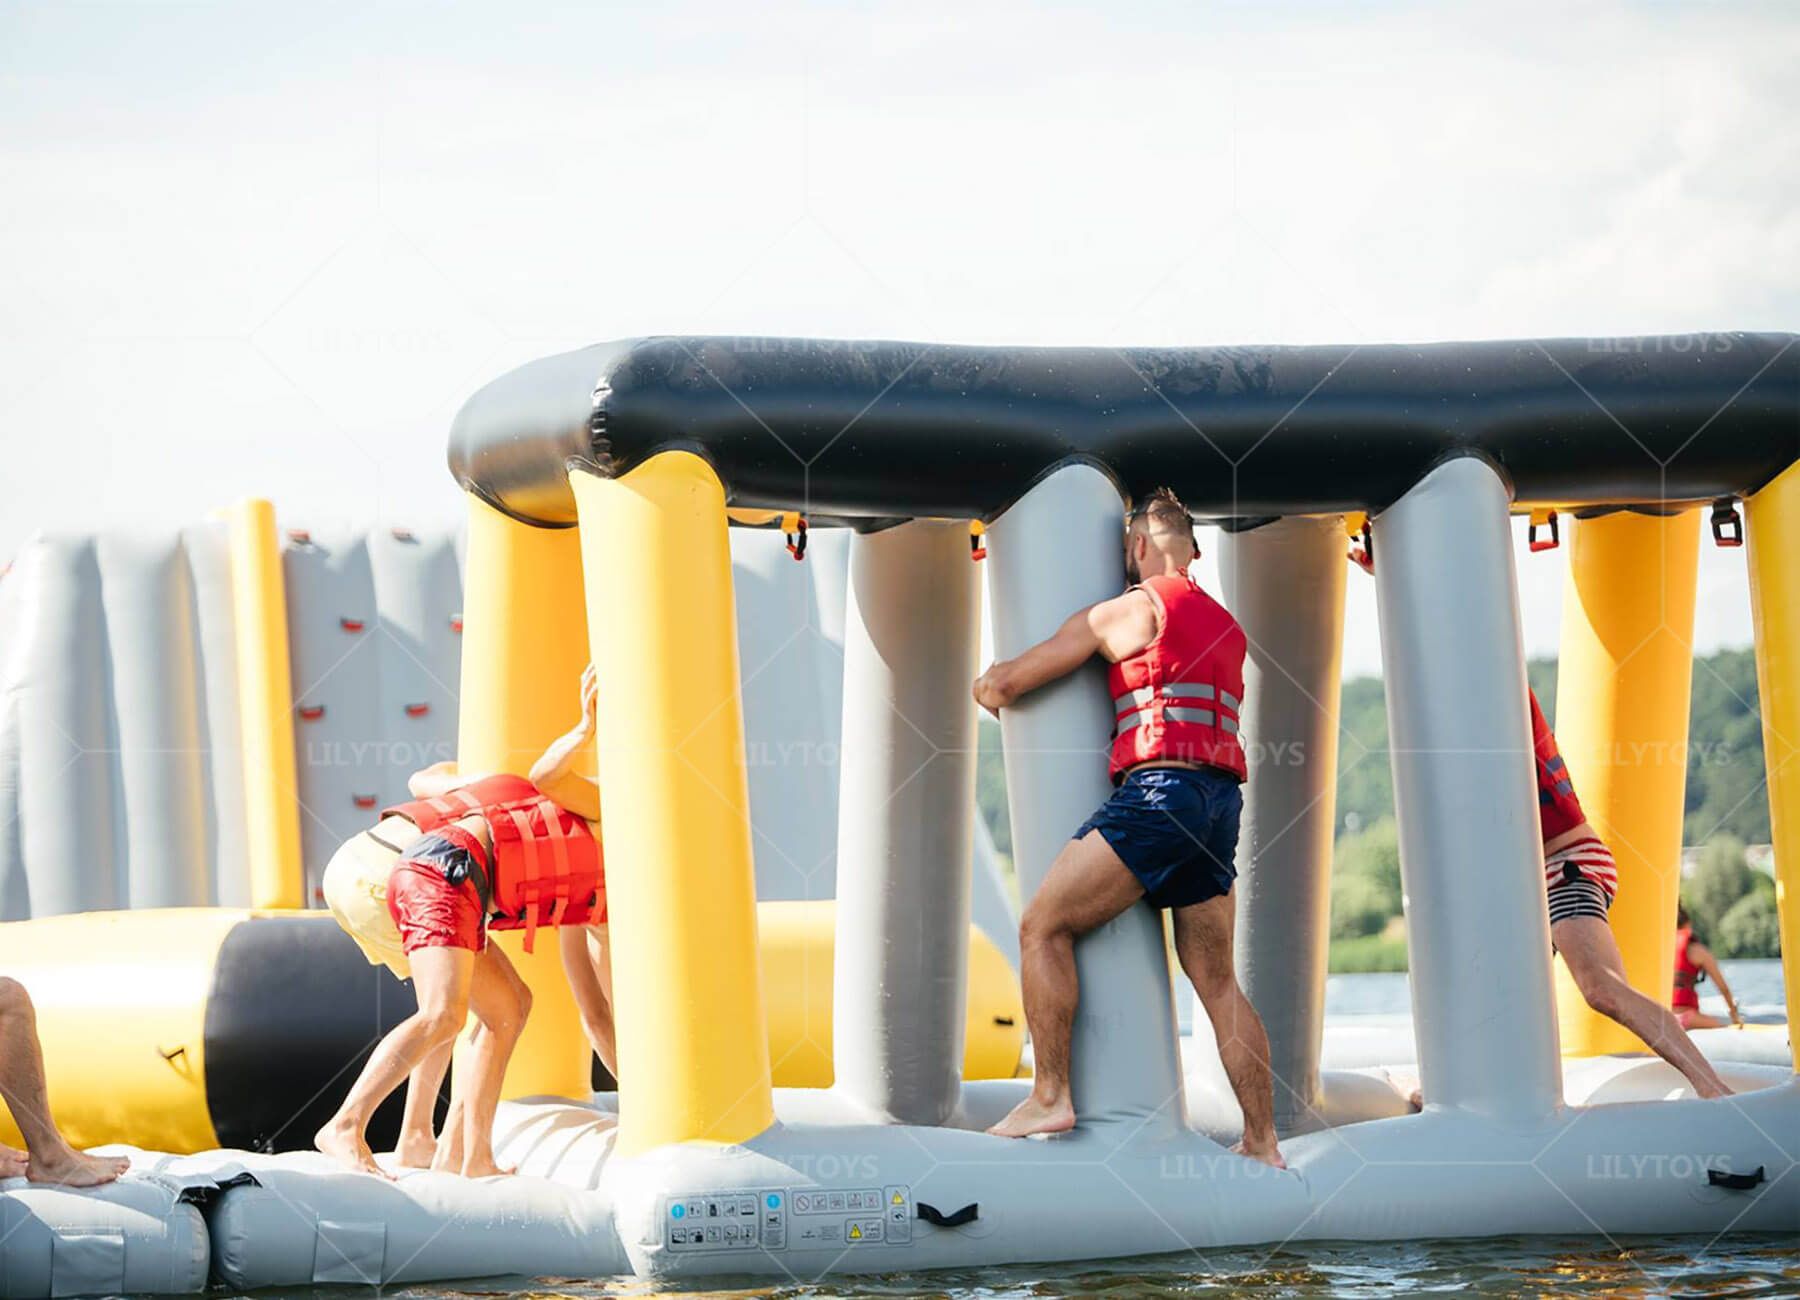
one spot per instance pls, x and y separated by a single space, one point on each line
484 1167
70 1168
415 1151
1033 1116
13 1162
1711 1093
1265 1151
342 1140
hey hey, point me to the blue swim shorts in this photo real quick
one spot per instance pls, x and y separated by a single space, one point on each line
1176 829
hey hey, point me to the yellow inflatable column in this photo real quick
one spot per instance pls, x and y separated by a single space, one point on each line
265 707
1774 537
693 1046
524 649
1622 697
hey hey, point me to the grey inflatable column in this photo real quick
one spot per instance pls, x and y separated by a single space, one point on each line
1285 584
156 710
911 634
1471 856
1058 548
70 805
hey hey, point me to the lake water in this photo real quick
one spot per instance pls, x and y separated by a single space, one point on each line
1576 1266
1755 984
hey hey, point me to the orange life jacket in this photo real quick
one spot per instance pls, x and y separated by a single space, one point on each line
1178 698
547 868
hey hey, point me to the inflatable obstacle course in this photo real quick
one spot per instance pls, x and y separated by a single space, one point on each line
613 473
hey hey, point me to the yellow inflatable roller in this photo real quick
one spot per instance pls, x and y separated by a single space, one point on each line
184 1029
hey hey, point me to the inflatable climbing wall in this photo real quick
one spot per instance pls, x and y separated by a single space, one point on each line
122 767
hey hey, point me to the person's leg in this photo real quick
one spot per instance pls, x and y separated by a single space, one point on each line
1592 956
1086 887
1203 943
51 1159
1693 1018
441 980
448 1159
501 1002
588 966
417 1144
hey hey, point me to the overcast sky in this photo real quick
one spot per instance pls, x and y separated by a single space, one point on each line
267 249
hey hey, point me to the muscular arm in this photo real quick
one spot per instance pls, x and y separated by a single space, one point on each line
1116 628
1701 956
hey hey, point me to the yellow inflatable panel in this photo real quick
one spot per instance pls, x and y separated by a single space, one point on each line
798 943
1773 532
524 649
1622 693
121 1003
265 707
692 1030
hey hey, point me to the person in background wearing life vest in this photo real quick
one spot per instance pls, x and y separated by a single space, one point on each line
1695 963
1580 882
418 893
1168 834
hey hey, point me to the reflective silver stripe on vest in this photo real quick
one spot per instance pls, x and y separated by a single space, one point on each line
1189 690
1174 713
1131 720
1174 691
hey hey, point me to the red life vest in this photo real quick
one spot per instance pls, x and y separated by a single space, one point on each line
1559 811
547 868
1177 699
1687 975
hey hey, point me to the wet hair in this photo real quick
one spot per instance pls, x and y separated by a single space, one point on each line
1162 512
1681 916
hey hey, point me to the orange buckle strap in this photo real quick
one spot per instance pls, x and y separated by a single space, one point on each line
977 530
528 886
558 835
1727 523
793 527
1541 517
1362 540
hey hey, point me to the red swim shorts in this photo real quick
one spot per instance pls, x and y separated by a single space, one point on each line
433 913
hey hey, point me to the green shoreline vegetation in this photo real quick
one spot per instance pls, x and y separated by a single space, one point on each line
1732 904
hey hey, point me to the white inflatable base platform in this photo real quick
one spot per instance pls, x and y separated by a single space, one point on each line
816 1195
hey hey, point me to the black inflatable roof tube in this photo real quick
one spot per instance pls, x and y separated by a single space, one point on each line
871 432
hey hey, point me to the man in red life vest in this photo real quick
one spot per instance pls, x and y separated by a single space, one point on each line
1694 963
1169 832
419 892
